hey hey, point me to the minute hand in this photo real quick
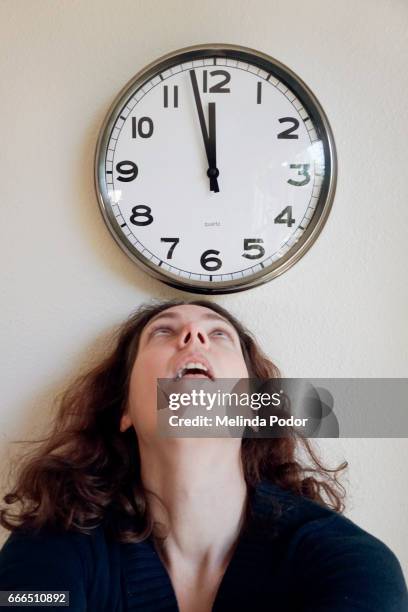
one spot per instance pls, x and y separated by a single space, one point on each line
209 153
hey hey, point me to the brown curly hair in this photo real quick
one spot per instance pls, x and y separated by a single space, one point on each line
87 472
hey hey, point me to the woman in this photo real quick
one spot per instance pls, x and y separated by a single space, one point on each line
124 519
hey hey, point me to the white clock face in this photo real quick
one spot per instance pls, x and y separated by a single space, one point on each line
212 171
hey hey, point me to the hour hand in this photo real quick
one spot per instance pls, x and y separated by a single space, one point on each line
212 172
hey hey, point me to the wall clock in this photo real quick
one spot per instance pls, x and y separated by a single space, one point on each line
215 168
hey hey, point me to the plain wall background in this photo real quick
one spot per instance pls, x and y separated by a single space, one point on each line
339 312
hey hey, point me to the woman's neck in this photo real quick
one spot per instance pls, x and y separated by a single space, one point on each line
202 487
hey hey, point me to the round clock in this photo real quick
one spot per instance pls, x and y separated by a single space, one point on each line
215 168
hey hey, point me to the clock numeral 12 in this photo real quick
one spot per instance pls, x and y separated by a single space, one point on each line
219 87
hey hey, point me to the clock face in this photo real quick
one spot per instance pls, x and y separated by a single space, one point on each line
215 169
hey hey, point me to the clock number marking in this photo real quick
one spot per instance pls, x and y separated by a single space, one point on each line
141 211
219 87
303 170
171 249
259 92
288 133
281 217
137 127
128 169
251 244
166 96
206 260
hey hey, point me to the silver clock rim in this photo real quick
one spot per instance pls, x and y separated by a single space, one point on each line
324 204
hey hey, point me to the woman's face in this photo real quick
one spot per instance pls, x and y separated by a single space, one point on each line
169 340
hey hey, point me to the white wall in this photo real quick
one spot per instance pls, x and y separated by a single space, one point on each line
339 312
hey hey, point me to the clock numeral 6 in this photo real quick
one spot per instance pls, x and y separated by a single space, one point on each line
219 87
171 249
288 133
142 128
286 212
206 259
253 243
141 211
128 169
303 170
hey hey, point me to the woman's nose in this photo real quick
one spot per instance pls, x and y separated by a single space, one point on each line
193 333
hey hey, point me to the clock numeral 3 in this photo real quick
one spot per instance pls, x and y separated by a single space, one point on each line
206 259
288 133
219 87
285 217
139 127
253 243
128 169
303 170
171 249
141 211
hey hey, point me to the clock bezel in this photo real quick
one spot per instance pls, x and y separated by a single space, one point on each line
320 123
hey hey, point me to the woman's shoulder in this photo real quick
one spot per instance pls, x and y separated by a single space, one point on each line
50 559
52 542
355 565
304 520
303 515
327 548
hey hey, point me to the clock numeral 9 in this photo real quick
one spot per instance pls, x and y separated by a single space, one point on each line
139 127
219 87
171 249
286 212
206 259
128 169
141 211
253 243
288 133
303 170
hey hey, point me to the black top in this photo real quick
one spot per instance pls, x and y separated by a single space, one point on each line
308 559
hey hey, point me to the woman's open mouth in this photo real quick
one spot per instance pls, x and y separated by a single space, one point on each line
193 370
193 375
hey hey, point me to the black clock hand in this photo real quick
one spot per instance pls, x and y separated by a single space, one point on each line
213 171
204 133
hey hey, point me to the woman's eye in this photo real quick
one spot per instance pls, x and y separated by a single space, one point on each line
221 331
161 330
